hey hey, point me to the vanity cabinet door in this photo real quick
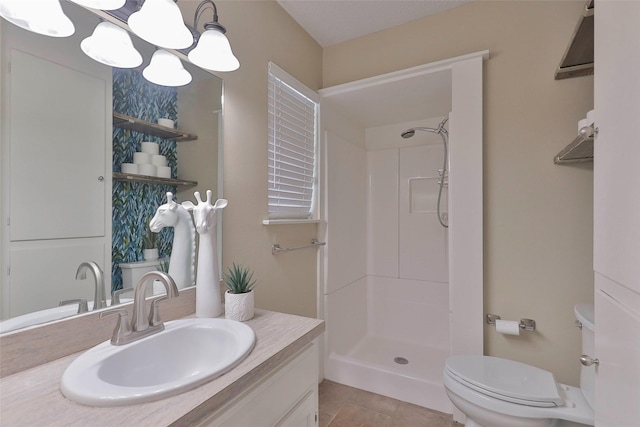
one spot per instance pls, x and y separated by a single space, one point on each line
617 348
288 397
57 131
305 414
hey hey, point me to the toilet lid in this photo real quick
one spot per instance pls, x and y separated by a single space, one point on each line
505 379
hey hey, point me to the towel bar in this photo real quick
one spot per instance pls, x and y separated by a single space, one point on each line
277 249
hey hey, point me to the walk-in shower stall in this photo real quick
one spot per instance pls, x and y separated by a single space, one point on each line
401 283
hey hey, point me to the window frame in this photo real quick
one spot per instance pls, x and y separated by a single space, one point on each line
275 72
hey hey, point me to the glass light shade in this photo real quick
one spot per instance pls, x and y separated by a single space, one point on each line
166 69
101 4
160 23
112 46
39 16
213 52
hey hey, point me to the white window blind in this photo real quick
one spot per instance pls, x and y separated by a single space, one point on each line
293 114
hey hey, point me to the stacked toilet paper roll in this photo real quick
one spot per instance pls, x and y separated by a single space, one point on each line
146 161
587 121
149 147
129 168
162 168
144 157
166 123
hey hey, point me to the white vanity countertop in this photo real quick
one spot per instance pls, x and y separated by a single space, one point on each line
33 398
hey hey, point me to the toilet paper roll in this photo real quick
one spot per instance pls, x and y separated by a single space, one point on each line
159 160
166 123
582 124
142 158
509 327
163 171
590 117
129 168
149 170
150 147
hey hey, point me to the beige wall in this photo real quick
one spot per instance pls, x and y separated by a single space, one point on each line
261 31
538 216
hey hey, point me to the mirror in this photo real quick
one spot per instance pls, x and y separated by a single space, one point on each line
60 145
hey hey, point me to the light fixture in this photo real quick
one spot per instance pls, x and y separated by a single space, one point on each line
112 46
160 23
213 51
166 69
39 16
101 4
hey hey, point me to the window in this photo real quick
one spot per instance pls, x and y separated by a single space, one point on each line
293 128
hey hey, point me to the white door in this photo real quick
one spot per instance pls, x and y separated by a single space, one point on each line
57 148
617 213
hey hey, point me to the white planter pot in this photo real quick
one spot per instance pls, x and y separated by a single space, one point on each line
150 254
238 306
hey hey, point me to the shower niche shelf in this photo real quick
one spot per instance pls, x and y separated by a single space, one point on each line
127 122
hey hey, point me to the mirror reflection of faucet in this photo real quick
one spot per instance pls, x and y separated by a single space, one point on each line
99 298
115 296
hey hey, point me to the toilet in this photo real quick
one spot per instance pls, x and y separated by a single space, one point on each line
496 392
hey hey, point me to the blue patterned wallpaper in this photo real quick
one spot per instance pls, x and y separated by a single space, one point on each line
135 203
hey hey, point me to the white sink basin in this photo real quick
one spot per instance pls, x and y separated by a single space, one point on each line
185 355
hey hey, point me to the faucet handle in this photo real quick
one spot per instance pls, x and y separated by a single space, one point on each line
123 328
83 307
154 313
115 298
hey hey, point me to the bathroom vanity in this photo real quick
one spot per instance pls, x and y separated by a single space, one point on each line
277 384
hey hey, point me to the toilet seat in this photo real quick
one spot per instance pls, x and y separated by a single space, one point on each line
506 380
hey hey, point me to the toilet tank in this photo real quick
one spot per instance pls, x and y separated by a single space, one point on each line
585 315
132 272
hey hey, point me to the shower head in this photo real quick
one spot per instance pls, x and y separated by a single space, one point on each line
440 129
408 133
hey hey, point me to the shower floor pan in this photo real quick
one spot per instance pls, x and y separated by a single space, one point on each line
372 365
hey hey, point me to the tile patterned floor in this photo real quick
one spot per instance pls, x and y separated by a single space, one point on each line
344 406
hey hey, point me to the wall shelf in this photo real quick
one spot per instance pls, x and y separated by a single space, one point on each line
127 122
119 176
578 58
578 151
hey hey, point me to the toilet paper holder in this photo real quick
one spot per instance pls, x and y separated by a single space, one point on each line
526 324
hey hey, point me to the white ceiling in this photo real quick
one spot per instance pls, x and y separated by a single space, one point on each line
331 22
395 101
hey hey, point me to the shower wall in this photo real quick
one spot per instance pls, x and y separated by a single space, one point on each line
405 239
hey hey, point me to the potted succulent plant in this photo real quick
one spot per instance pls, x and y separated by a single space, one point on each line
239 297
150 245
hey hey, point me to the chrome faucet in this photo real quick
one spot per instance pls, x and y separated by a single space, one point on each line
99 298
141 326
